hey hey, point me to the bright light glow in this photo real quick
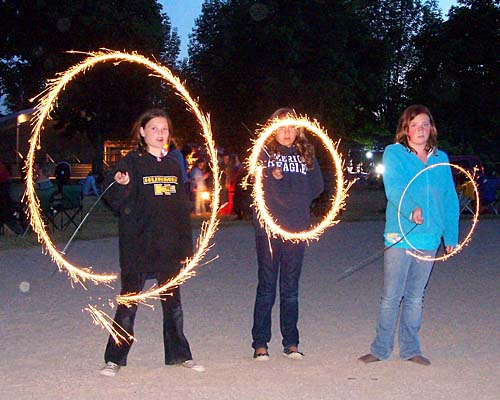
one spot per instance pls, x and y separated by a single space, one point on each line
379 169
337 201
21 118
369 155
205 195
45 105
474 219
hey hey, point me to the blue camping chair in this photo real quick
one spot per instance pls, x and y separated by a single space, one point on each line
488 194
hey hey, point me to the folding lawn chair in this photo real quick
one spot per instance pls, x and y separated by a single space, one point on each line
466 196
47 211
69 206
488 194
46 198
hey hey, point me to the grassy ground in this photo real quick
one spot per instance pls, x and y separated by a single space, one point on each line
363 203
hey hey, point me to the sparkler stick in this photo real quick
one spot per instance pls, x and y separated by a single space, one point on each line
253 135
337 201
365 263
85 217
46 101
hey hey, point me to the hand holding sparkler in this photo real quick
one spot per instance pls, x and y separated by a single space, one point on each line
448 249
417 216
46 101
277 173
122 177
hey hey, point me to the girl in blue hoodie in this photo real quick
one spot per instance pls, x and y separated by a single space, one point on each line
428 213
292 180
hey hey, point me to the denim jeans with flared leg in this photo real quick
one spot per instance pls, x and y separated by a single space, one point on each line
284 258
175 344
405 279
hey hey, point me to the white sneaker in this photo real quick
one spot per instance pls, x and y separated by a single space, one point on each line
293 355
192 365
261 356
110 369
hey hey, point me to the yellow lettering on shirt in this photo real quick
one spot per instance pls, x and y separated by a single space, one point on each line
148 180
164 189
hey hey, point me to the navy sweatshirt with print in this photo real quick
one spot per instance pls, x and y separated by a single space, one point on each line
290 191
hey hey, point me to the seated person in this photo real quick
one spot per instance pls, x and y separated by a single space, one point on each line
89 187
42 179
63 174
9 214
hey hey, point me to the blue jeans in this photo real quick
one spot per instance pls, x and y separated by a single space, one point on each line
286 259
405 278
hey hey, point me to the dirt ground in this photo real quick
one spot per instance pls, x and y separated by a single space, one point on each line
51 349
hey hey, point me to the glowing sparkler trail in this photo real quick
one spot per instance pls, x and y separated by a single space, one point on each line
42 111
474 219
337 201
106 322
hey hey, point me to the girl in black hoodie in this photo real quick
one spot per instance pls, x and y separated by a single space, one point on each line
154 235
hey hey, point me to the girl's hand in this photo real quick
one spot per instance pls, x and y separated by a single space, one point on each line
277 173
449 249
417 217
122 178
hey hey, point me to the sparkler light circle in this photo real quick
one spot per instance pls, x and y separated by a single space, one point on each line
474 219
42 112
263 214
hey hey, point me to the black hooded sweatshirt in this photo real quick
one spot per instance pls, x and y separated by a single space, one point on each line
154 214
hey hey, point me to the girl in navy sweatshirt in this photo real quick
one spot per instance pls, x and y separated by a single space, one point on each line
292 180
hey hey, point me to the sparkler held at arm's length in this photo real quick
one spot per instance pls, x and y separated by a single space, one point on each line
428 207
85 218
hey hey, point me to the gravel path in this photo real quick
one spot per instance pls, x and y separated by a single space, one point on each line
51 349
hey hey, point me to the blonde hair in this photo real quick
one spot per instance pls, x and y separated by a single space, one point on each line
304 149
404 125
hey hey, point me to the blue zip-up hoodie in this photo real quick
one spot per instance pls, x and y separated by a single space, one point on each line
433 191
289 198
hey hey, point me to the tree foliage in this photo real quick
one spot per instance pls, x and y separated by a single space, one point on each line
344 63
38 36
457 74
353 65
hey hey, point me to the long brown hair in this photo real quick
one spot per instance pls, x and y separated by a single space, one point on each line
304 149
404 125
142 121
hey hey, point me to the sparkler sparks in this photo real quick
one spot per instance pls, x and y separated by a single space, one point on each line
258 195
474 218
46 101
106 322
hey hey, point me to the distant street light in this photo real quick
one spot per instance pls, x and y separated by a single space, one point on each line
20 119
